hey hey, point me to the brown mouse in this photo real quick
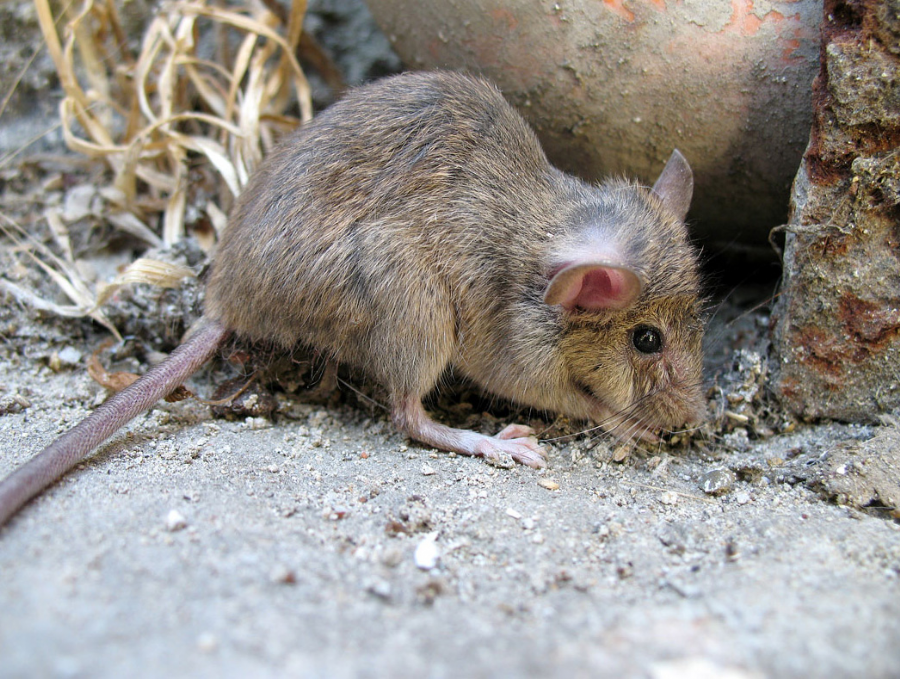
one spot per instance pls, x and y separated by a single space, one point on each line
416 226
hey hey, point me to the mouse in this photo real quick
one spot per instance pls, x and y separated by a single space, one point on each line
415 228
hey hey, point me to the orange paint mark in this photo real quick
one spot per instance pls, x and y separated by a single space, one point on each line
790 32
752 24
744 22
618 7
790 49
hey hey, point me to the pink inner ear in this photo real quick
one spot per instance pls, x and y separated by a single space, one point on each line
593 286
601 288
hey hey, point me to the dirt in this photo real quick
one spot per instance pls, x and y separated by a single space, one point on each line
322 543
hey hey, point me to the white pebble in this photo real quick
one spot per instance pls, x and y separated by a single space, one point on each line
257 423
70 356
380 588
428 553
175 521
207 642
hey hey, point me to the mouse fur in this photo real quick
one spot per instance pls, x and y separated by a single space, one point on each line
423 221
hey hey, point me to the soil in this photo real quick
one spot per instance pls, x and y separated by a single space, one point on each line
321 543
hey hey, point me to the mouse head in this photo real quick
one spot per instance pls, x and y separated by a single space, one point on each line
628 288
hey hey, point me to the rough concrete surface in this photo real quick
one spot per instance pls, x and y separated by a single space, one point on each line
323 544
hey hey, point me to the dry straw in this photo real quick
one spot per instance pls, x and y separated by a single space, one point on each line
180 125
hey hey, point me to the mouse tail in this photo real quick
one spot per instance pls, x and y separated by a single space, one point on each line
77 443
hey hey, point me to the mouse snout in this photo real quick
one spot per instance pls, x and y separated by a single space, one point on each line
680 406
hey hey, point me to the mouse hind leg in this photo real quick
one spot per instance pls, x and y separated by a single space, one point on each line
411 364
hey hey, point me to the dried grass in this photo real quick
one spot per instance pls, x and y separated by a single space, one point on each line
180 130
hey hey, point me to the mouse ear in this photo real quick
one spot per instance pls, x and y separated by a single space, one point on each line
593 285
675 185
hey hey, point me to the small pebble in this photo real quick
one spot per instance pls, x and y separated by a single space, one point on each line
668 498
380 588
513 513
621 453
732 552
282 575
548 484
428 471
336 513
257 423
717 481
697 667
175 521
79 203
428 554
70 356
502 461
392 557
207 642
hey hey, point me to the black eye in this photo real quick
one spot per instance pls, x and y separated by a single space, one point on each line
647 339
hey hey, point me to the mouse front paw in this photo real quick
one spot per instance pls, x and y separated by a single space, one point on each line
499 449
516 443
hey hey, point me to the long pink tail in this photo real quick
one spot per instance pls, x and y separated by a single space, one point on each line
77 443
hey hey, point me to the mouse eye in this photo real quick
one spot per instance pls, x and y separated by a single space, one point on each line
647 339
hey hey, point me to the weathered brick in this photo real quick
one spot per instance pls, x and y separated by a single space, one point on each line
836 327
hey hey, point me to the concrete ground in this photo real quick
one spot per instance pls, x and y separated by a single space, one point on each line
323 544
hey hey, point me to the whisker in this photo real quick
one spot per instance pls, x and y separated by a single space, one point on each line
757 307
688 430
554 425
721 303
361 395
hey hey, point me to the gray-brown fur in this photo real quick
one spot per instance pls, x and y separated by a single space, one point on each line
415 226
423 218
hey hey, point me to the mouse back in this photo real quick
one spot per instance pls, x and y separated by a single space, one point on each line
377 198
